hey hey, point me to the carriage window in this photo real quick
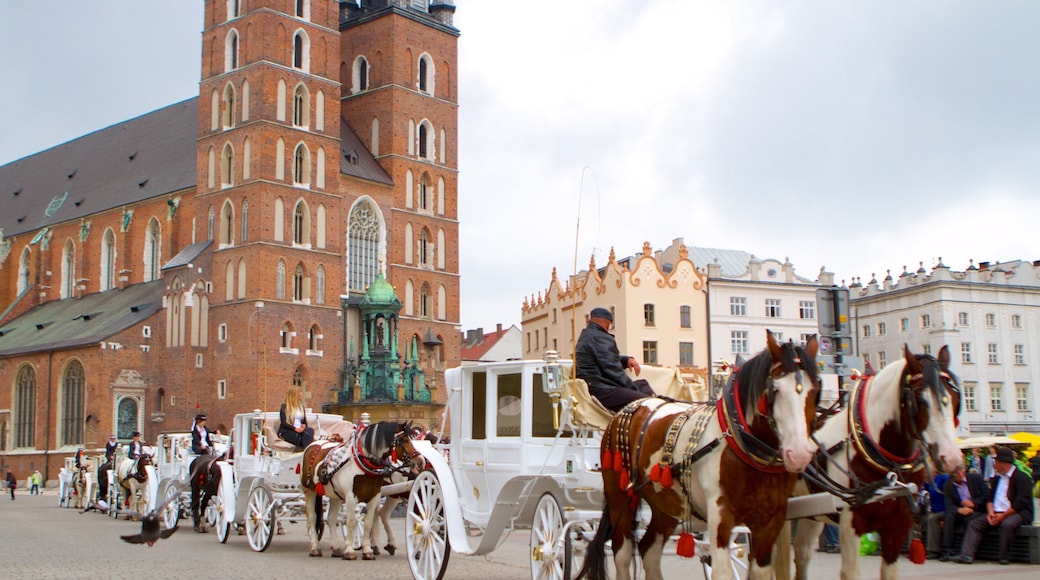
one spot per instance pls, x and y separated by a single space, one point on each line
542 412
509 405
478 422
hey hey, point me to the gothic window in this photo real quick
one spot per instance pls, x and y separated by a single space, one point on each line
359 77
363 236
422 140
229 281
233 8
314 337
425 191
301 107
68 270
279 220
287 334
301 223
72 404
227 224
23 271
245 221
301 51
302 165
301 8
25 407
228 112
231 51
209 224
424 248
319 292
227 165
424 301
241 278
297 377
298 277
279 283
108 260
426 74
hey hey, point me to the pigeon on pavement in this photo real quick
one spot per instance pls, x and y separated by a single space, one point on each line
150 525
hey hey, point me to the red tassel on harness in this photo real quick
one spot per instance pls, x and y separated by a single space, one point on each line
608 460
666 477
655 473
916 552
618 464
685 547
763 408
297 469
624 480
319 488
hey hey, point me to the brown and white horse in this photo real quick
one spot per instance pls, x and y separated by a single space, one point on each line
374 450
895 422
132 476
725 464
84 468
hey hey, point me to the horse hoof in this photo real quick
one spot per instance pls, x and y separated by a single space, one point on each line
375 550
390 549
337 553
315 554
368 556
350 556
281 531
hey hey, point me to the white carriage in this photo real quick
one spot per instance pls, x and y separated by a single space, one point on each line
173 458
524 452
261 486
65 476
116 494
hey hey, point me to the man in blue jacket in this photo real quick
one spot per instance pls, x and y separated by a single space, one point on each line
965 496
601 366
1009 506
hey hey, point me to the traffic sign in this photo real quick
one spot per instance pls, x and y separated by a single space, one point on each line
833 313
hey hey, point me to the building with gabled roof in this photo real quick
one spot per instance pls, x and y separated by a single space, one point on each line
502 344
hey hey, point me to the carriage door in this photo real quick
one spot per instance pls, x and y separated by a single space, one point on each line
505 414
475 500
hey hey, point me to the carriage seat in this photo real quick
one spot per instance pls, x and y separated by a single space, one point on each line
344 429
668 382
586 410
275 442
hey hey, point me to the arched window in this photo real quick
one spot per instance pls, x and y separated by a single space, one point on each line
297 378
422 75
231 51
227 166
441 262
298 278
229 281
423 137
442 302
73 400
360 75
279 220
23 271
302 165
210 223
302 9
108 260
152 250
424 301
241 278
314 337
127 417
301 107
427 75
424 248
279 281
228 112
25 407
232 9
301 224
301 51
319 291
227 224
68 270
425 191
287 335
245 221
363 239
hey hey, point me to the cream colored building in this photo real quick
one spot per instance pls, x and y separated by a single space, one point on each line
659 306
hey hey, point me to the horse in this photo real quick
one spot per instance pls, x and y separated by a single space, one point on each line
350 472
205 481
80 478
896 422
689 468
132 475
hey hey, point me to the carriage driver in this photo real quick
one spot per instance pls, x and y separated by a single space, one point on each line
110 447
201 444
602 367
134 449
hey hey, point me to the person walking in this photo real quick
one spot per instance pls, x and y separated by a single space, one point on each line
34 483
12 483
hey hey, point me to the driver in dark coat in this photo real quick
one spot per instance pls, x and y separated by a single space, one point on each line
601 366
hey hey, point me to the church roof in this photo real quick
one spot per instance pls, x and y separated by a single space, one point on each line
61 324
188 254
146 157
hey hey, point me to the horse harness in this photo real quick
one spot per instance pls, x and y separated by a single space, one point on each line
338 453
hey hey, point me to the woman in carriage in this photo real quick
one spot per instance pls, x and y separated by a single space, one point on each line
293 427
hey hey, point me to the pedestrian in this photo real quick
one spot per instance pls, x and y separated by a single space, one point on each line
602 367
34 483
829 542
12 483
988 469
975 462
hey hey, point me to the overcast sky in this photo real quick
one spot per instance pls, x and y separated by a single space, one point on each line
860 136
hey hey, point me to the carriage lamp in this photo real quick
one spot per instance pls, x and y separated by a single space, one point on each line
256 429
553 383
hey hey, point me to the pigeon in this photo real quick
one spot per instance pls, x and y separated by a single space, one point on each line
150 525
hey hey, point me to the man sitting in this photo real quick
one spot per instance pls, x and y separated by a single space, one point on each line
964 496
1009 505
602 367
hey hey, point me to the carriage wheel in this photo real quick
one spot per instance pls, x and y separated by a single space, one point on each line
212 511
172 512
223 516
575 547
260 519
547 550
113 497
426 530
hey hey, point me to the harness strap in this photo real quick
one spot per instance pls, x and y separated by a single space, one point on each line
872 452
731 420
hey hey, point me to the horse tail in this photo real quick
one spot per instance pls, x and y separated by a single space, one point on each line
319 520
594 566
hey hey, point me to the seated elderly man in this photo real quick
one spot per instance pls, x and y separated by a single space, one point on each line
601 366
1008 506
964 496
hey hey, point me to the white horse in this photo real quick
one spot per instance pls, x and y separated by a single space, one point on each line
132 477
373 451
81 479
895 422
727 464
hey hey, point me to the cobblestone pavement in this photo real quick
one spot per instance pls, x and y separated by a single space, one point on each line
39 540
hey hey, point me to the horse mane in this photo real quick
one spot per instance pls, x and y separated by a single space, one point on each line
378 438
752 377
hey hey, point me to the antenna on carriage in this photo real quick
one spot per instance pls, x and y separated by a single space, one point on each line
574 276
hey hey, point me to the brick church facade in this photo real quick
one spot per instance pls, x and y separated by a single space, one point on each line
208 255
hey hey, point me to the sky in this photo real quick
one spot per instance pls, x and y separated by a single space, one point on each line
861 136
